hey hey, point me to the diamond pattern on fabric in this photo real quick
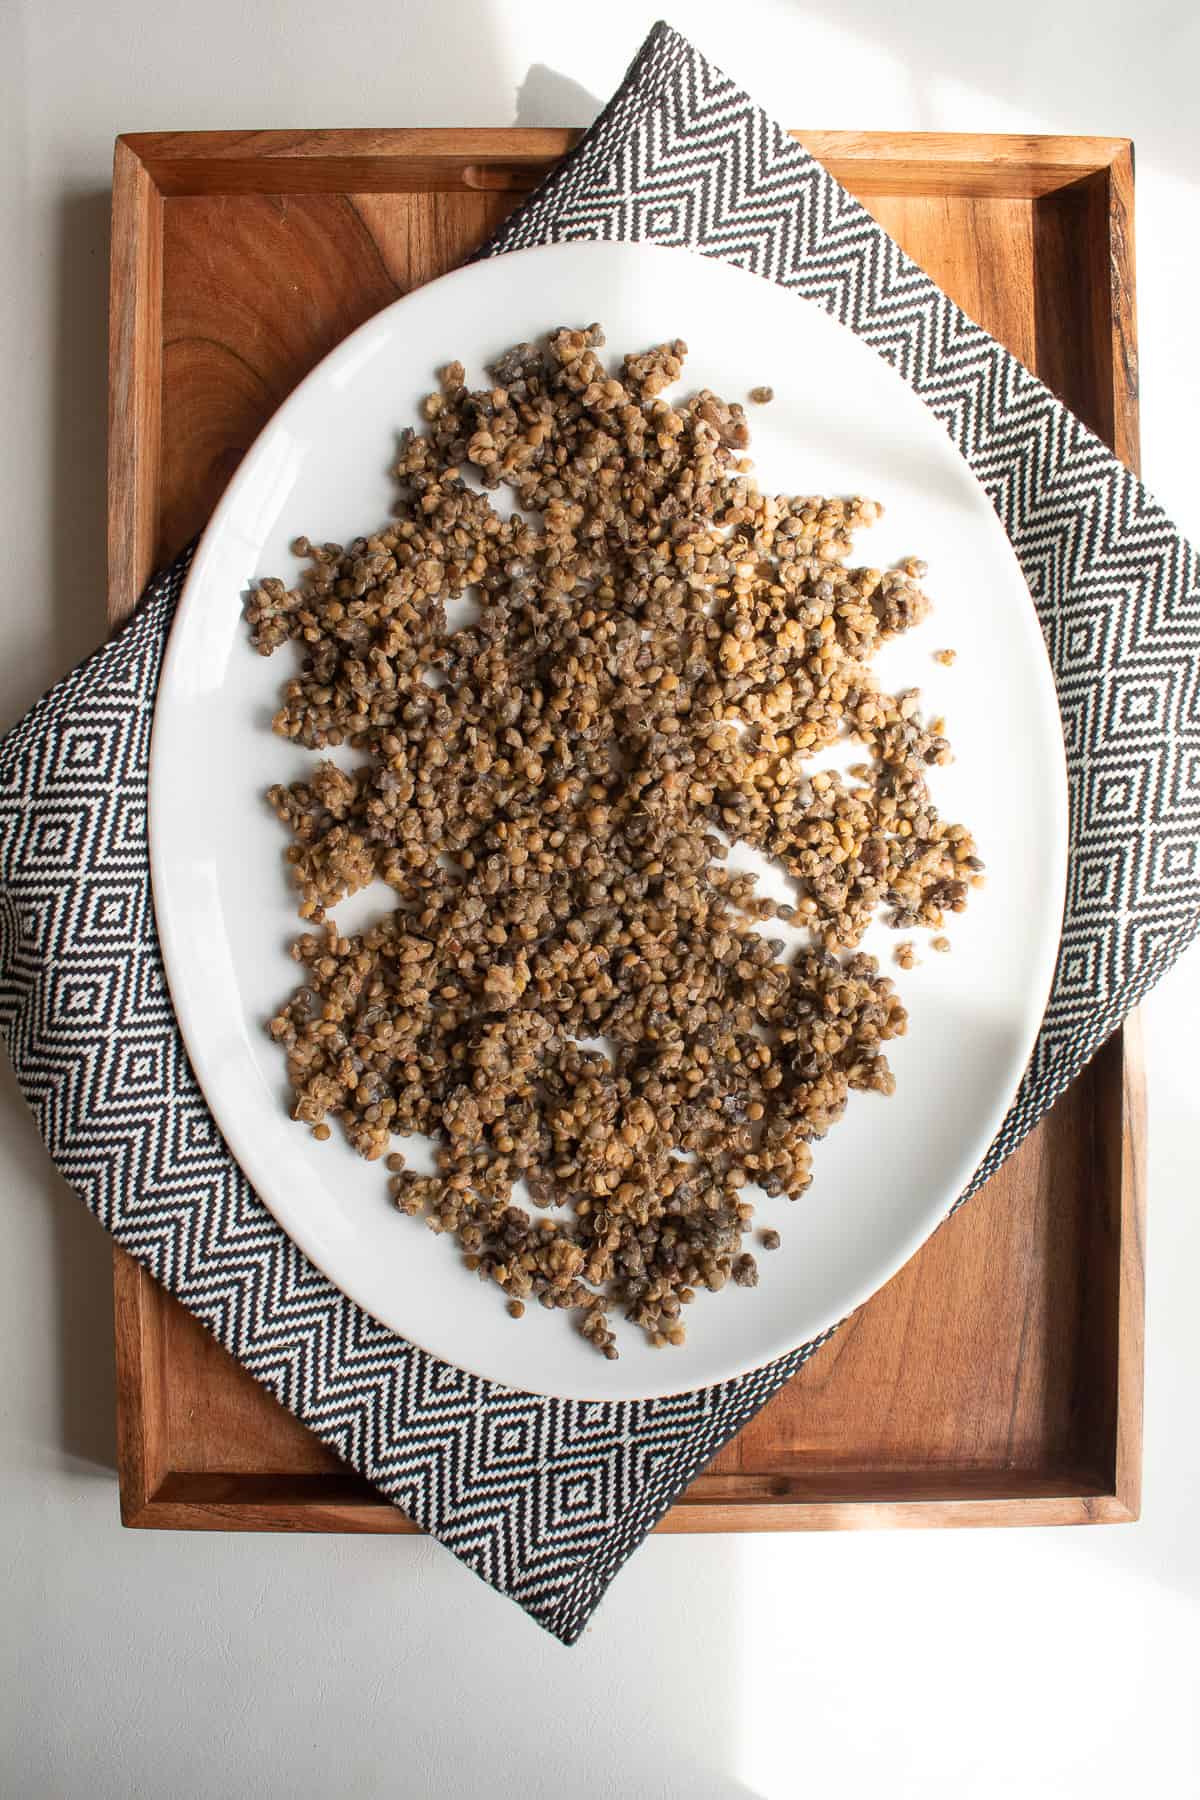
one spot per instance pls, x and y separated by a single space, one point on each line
545 1499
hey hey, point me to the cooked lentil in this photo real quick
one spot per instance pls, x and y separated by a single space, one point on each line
550 792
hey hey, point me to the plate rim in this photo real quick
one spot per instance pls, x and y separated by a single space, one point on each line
931 1217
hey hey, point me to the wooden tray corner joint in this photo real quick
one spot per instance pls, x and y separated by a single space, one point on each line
998 1378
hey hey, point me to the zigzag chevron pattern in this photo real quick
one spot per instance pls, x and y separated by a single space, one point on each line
545 1499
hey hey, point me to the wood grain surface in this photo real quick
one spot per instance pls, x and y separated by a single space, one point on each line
134 381
997 1378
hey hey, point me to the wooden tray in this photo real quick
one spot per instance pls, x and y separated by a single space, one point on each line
998 1378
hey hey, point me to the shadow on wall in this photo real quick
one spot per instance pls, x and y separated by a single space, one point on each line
72 588
80 424
546 97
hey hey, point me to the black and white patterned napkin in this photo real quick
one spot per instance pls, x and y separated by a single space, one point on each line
545 1499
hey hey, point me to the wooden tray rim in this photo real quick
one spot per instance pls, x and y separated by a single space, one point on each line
151 166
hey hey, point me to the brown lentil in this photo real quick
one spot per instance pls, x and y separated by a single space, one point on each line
550 792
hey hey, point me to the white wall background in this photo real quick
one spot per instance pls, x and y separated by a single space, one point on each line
972 1665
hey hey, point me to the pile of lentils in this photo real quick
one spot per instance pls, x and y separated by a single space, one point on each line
574 991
